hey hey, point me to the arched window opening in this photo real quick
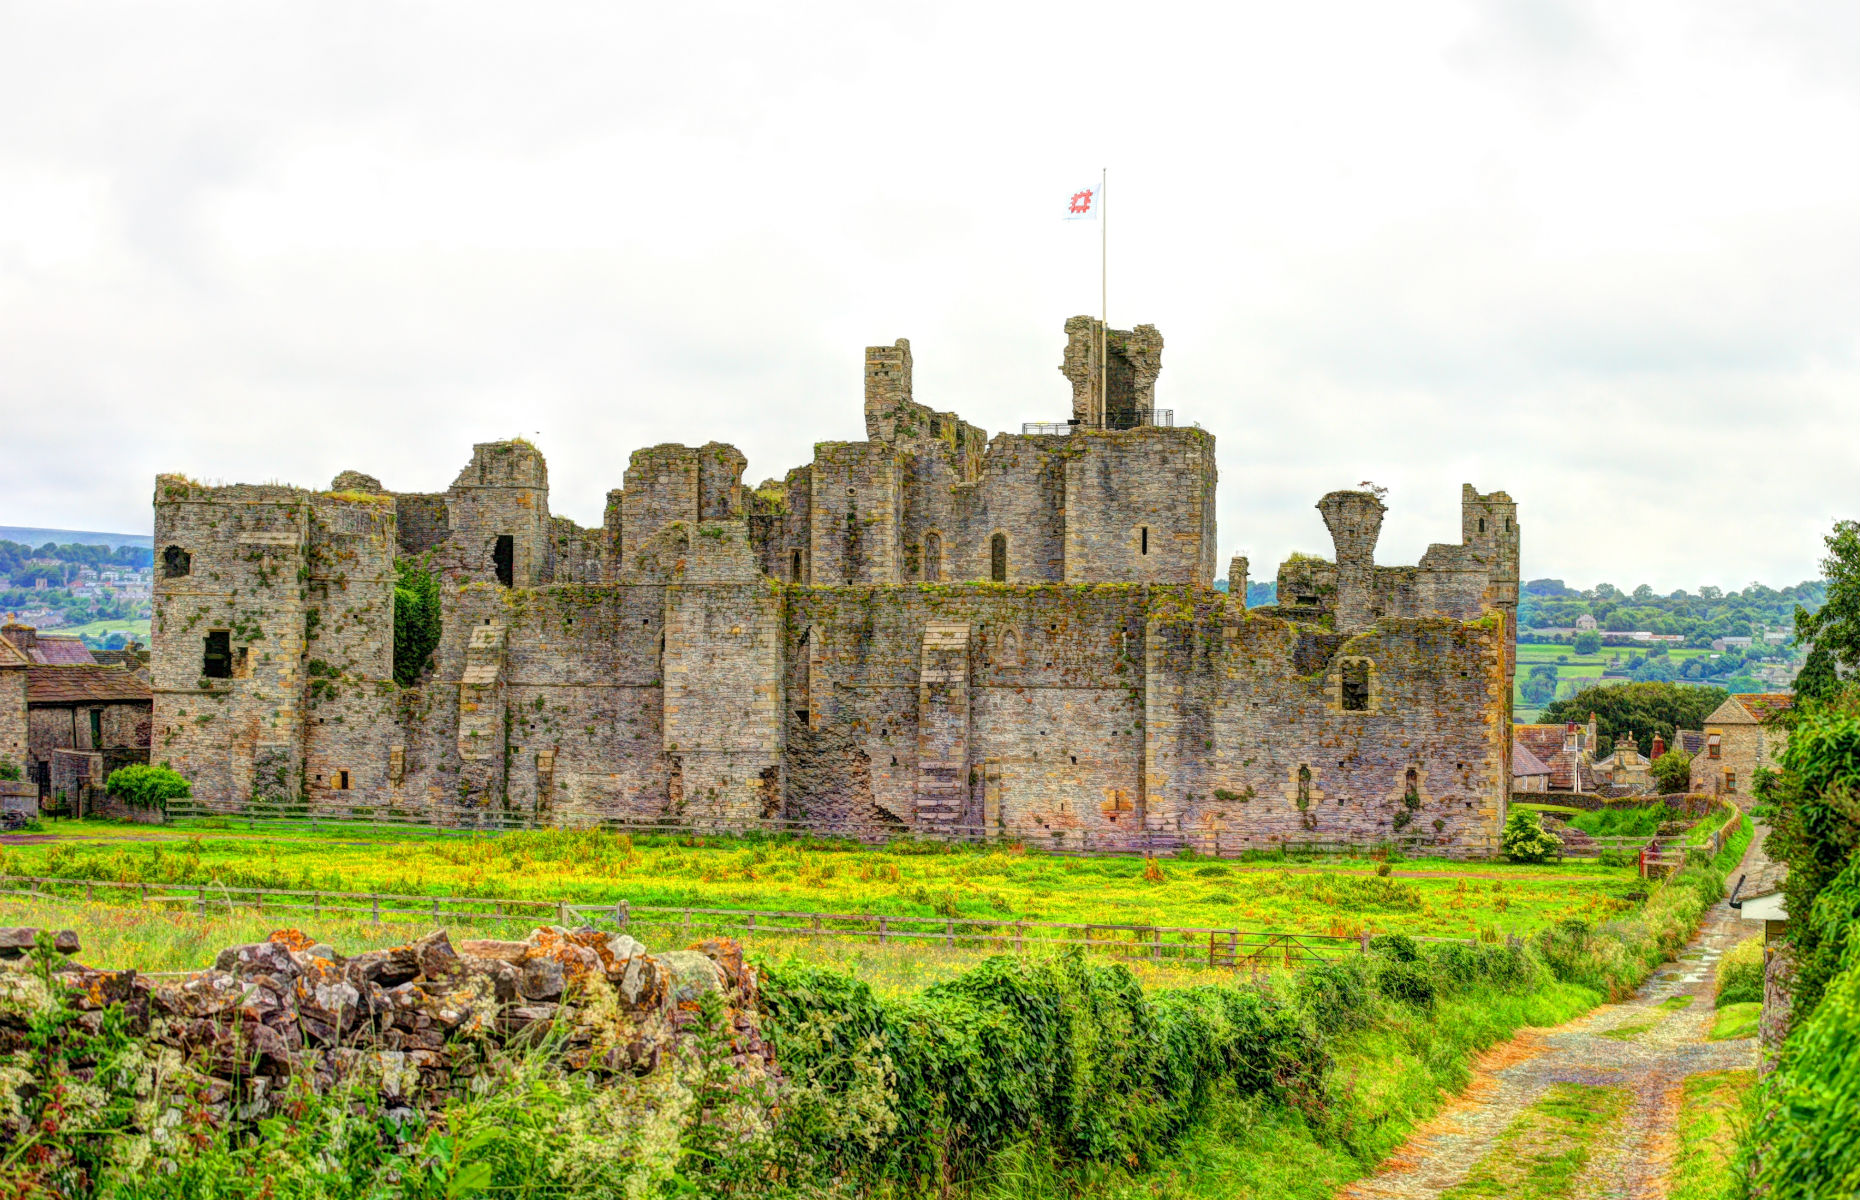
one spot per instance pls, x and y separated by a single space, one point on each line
933 558
997 558
794 567
1010 649
1356 686
176 562
1304 788
1481 524
1146 539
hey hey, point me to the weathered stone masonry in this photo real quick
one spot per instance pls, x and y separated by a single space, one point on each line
925 629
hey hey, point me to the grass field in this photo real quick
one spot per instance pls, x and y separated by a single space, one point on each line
139 630
1344 898
1586 669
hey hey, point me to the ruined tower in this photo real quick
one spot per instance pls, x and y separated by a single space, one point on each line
1133 359
1355 522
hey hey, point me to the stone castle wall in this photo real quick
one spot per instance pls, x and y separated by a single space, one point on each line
834 648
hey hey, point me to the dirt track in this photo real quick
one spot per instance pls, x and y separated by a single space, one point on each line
1630 1154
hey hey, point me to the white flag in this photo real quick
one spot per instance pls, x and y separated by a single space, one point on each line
1083 204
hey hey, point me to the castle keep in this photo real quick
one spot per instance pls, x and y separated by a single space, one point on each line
925 629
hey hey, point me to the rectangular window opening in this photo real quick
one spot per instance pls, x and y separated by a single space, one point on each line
217 663
504 557
342 781
1146 539
1356 687
96 728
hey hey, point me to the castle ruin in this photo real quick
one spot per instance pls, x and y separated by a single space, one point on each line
925 630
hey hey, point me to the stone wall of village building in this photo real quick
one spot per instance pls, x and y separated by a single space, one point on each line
829 647
125 729
13 716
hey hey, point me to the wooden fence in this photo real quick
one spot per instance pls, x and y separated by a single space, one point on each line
1208 843
1233 948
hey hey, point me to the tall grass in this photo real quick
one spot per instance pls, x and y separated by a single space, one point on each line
991 883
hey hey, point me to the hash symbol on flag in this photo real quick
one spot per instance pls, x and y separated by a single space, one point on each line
1081 203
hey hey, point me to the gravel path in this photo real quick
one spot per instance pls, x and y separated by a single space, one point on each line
1631 1157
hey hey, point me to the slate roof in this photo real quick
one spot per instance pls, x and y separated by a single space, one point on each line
1524 763
10 656
1545 742
1690 741
84 683
132 659
1762 706
61 650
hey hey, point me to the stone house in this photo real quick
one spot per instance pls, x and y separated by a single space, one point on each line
68 724
13 667
1626 767
1528 772
925 629
1740 736
44 648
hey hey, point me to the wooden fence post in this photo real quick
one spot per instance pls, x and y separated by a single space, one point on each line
200 902
375 899
142 892
561 913
949 932
1020 930
881 931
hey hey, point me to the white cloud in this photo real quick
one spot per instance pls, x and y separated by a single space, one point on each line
1601 256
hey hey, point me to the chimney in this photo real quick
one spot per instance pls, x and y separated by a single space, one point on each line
1659 746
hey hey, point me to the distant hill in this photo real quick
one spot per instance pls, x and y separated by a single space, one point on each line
73 537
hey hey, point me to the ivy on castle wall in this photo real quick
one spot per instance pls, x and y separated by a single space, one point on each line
416 618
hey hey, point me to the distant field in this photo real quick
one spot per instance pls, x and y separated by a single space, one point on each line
1584 668
139 630
1427 897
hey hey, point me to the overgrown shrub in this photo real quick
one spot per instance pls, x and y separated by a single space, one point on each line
927 1088
1740 973
1816 830
1525 839
9 770
147 787
1672 771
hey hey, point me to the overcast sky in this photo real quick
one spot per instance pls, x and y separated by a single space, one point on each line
1604 256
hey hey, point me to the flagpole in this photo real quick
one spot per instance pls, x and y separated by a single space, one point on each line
1104 304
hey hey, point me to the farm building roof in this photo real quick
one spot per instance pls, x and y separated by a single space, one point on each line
84 683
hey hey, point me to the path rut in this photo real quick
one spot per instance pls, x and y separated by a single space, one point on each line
1631 1158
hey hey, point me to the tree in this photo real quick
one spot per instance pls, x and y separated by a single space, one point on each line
1588 642
1672 771
1836 624
1816 830
1642 709
1817 679
1539 687
1526 840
